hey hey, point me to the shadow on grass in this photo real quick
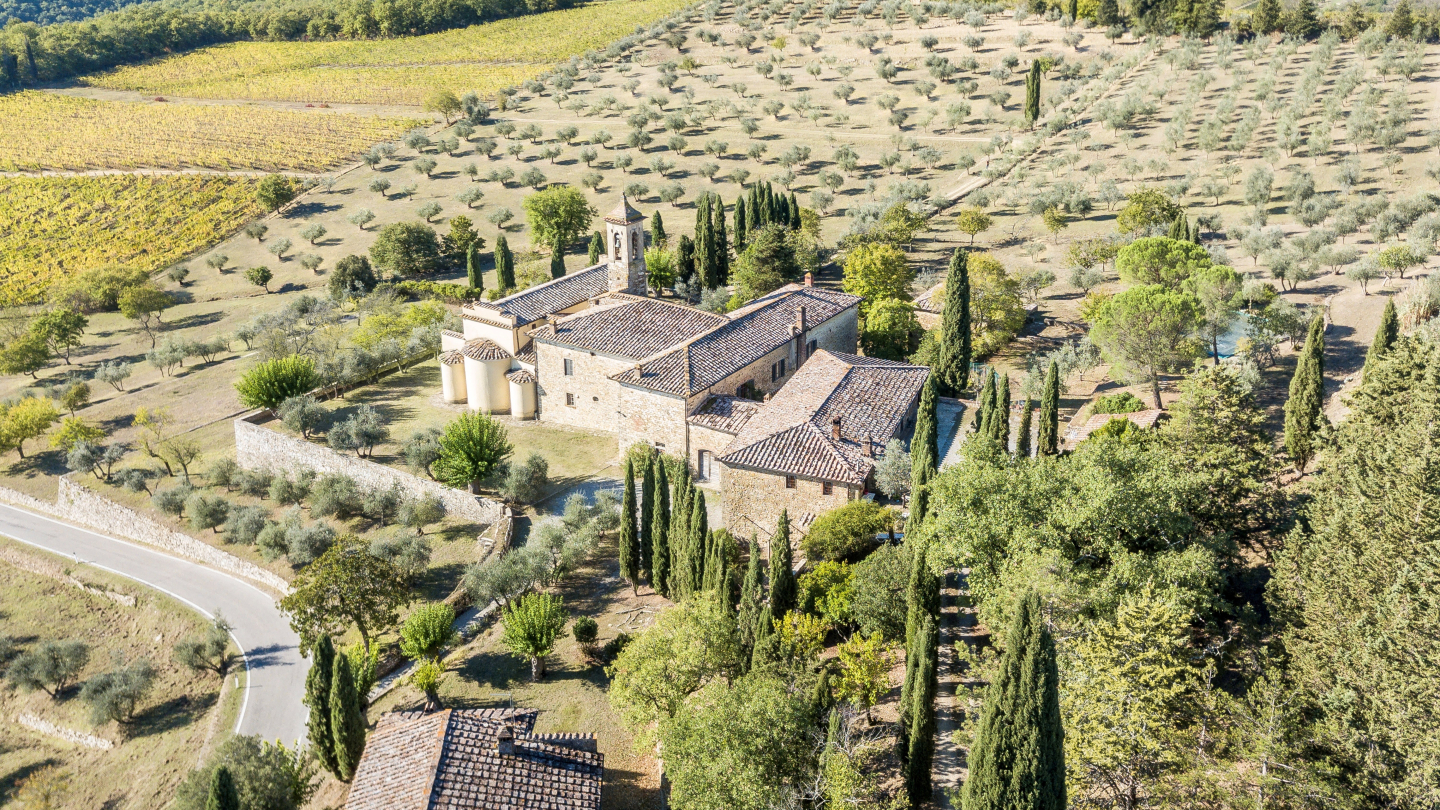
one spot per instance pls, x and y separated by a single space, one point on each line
10 782
172 714
439 581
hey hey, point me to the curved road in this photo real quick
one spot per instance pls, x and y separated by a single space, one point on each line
272 703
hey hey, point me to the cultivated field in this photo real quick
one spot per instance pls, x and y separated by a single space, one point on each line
76 134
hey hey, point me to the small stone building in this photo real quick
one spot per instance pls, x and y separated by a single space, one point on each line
469 759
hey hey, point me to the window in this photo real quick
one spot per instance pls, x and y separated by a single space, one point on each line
811 347
569 367
570 400
772 372
789 482
704 465
827 489
782 367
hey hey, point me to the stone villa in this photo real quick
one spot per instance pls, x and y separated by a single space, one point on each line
768 403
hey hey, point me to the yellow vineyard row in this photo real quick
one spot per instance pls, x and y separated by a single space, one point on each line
401 70
64 132
59 226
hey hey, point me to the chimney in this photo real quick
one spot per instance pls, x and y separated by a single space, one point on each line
835 428
801 330
800 322
505 741
869 447
809 279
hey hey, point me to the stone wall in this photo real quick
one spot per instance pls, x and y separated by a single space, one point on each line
597 397
752 501
258 447
49 729
653 418
78 504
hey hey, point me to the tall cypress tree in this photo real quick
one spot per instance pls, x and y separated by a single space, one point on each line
699 540
557 262
685 259
629 536
764 637
34 74
751 598
740 223
924 446
1018 759
1385 335
472 268
1048 437
1022 439
679 579
705 254
752 210
1303 416
1180 228
504 264
793 214
647 518
1032 94
347 722
784 591
596 249
722 241
920 739
918 597
9 70
660 531
999 419
223 795
952 363
658 237
986 401
317 698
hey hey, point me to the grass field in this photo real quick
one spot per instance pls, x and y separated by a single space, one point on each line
64 132
174 724
481 58
59 225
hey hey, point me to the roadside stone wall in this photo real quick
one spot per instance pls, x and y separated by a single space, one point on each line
78 504
258 447
49 729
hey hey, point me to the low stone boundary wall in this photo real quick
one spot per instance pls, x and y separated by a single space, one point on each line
258 447
49 729
78 504
52 570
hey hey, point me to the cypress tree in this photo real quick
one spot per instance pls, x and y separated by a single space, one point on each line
764 638
472 269
793 214
832 733
924 445
1401 24
317 698
1385 335
952 364
34 74
750 598
1307 392
752 210
784 591
1032 94
1108 13
658 237
1022 439
557 262
1266 19
9 70
920 739
722 242
918 601
699 535
685 259
660 532
596 249
347 722
1072 8
629 536
705 253
647 518
504 264
679 578
1018 759
986 400
223 795
740 223
1049 432
919 505
999 420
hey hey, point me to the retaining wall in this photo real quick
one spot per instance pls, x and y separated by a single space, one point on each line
78 504
258 447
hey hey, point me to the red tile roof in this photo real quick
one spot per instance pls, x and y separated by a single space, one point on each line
629 326
482 349
544 300
450 759
725 414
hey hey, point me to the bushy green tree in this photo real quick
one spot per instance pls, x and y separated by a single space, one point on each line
406 249
345 585
532 624
271 382
1146 330
470 448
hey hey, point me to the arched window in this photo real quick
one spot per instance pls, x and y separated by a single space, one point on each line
616 249
634 243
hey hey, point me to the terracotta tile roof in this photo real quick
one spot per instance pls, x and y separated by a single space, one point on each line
452 333
546 299
1077 434
454 357
450 759
725 414
629 326
793 434
520 376
482 349
752 332
527 354
623 212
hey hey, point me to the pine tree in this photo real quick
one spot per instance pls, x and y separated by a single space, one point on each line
660 532
1049 433
317 698
596 249
1018 758
1032 94
783 589
952 363
751 597
629 536
740 223
223 795
1401 24
1022 439
347 722
1108 13
1303 416
986 402
1266 19
699 540
1385 335
658 237
647 518
504 264
920 739
722 242
924 445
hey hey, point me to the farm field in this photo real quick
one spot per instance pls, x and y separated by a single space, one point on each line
405 70
77 134
58 225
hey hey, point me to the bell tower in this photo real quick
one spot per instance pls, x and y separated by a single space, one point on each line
625 248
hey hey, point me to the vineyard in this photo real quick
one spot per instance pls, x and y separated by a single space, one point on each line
63 132
481 58
60 225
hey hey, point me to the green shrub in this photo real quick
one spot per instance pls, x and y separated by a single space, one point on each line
586 630
1123 402
847 532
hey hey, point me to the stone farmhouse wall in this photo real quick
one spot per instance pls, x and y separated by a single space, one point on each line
79 504
597 397
258 447
653 418
752 501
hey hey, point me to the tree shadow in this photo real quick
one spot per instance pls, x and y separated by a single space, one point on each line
197 319
174 713
310 208
10 781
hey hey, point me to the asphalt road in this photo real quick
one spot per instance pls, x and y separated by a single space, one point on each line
275 689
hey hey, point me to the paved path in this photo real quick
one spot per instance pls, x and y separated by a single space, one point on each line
275 688
948 770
